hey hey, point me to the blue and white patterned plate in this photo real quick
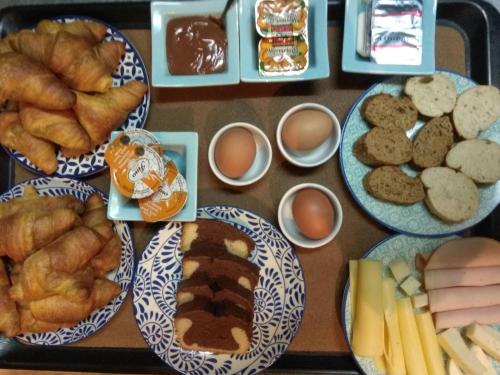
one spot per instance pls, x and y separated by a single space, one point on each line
279 296
131 68
396 246
54 186
414 219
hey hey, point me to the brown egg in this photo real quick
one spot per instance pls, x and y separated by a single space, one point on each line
235 152
306 129
313 213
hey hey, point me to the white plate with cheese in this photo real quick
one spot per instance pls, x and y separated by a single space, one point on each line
405 248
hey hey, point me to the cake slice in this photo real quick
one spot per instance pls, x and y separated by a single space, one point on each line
433 142
389 112
204 232
218 327
383 147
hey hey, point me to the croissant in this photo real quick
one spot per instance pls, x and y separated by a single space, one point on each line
110 53
38 151
60 127
24 80
100 114
28 323
24 232
92 32
9 317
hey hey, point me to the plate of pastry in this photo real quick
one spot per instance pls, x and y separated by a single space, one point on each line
224 294
421 155
424 305
61 101
68 268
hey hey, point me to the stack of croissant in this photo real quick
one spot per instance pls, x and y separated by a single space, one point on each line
55 86
60 250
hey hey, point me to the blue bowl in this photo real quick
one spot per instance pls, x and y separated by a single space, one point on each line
162 12
319 66
182 148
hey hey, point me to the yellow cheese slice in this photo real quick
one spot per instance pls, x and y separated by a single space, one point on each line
412 348
353 281
485 337
454 345
453 368
478 352
368 328
380 364
432 353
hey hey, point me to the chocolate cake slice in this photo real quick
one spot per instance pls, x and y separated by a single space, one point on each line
217 263
219 327
214 233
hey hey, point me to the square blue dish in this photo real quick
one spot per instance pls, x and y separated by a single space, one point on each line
182 148
353 62
319 66
162 12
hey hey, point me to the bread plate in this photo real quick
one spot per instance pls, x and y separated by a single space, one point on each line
131 68
55 186
414 219
393 247
279 296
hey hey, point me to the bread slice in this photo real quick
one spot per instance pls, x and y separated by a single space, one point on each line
433 95
477 109
477 158
390 184
433 142
383 147
389 111
451 196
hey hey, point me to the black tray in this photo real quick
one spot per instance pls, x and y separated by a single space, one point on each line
477 21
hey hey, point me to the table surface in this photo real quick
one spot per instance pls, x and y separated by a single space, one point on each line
206 110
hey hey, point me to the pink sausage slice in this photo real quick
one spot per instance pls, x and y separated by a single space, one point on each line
465 297
464 253
462 318
476 276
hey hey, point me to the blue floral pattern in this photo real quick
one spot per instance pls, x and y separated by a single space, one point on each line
131 68
414 219
54 186
279 296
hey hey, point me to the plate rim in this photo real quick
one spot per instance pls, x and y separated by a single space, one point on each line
274 227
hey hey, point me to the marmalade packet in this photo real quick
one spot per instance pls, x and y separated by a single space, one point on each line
281 17
283 55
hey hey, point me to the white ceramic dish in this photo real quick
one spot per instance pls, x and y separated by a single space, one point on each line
318 155
287 223
261 163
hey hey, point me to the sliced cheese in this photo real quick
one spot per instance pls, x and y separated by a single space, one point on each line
420 300
478 352
410 286
353 281
412 348
368 327
454 345
486 337
453 368
393 348
432 353
399 269
380 364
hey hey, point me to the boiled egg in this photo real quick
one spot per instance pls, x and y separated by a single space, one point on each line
306 129
313 213
235 152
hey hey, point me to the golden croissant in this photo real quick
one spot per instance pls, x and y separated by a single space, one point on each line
38 151
92 32
24 80
9 317
100 114
59 127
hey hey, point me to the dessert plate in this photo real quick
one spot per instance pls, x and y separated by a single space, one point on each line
396 246
131 68
54 186
279 296
415 219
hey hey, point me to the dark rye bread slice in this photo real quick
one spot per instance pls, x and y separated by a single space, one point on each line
219 327
205 231
217 290
389 111
433 142
217 262
383 147
390 184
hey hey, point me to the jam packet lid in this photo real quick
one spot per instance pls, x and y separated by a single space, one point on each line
170 197
138 137
281 17
136 170
283 55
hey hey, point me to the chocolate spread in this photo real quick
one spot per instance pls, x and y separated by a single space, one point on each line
195 45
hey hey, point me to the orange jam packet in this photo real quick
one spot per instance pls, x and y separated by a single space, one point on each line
136 170
169 199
